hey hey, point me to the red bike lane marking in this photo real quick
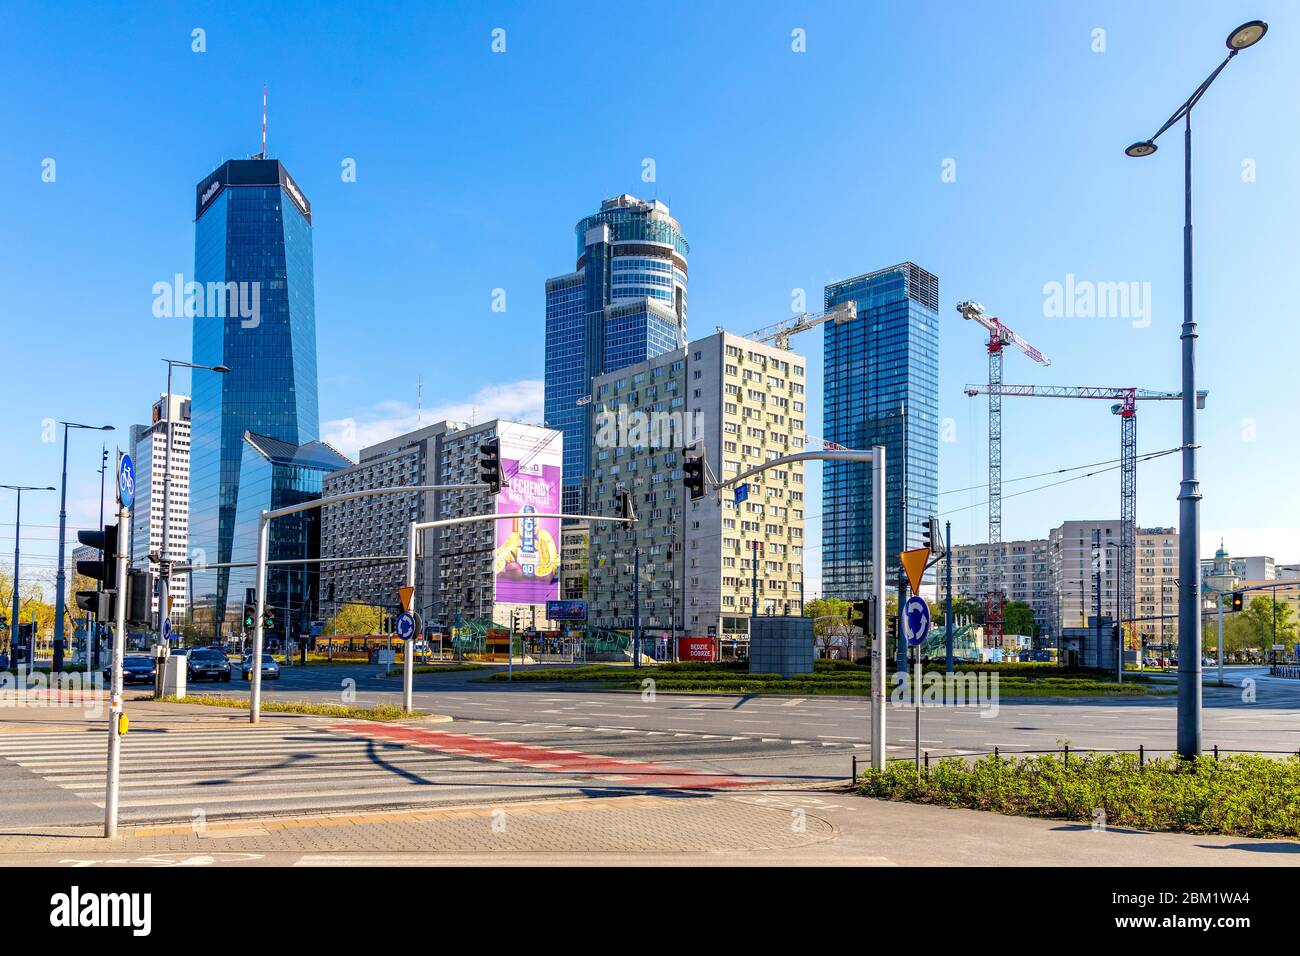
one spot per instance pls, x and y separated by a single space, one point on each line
613 769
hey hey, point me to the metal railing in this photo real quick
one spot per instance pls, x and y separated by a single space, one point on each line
1065 751
1291 671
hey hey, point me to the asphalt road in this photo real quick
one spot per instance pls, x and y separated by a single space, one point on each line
510 742
1256 712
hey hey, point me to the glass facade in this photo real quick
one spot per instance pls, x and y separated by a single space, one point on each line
276 474
884 361
625 303
253 237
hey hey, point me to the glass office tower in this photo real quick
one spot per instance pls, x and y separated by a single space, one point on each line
876 367
275 474
256 315
625 303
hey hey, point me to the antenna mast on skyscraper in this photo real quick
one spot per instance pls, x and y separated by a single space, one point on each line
264 121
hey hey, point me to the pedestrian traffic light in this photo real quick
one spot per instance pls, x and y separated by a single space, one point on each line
625 506
693 474
268 619
1238 600
489 461
250 617
99 602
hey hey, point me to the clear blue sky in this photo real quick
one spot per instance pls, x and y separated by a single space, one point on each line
787 170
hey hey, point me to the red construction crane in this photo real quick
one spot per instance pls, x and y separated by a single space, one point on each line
1127 412
999 337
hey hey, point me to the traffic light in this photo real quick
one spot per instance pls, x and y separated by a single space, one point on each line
931 538
862 611
268 619
139 598
693 475
250 617
625 506
489 461
100 602
1238 600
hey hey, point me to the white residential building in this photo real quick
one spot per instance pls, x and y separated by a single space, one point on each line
149 454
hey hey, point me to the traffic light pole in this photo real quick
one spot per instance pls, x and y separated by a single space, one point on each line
115 715
876 456
263 542
947 607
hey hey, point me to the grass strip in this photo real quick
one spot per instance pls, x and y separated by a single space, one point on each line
383 712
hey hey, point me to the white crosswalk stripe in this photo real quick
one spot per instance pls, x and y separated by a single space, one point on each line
171 774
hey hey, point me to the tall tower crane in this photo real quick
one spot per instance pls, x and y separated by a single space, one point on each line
1126 410
779 332
999 337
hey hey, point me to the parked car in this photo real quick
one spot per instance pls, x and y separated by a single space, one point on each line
206 663
270 669
135 667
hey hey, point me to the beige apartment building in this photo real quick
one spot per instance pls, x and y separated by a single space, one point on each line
740 403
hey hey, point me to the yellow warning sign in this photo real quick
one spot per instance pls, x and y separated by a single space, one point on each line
914 565
404 595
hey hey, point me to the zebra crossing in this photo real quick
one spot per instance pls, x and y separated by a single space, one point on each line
196 773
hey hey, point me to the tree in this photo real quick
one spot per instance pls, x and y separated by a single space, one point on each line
1270 622
355 619
830 615
1018 618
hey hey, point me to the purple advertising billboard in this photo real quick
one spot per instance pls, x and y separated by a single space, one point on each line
527 559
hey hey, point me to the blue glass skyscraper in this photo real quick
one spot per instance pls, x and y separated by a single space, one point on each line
624 303
252 246
881 371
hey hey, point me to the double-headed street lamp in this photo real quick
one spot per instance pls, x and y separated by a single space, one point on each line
164 562
18 536
1189 494
63 531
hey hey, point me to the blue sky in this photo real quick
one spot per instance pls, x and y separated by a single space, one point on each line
787 170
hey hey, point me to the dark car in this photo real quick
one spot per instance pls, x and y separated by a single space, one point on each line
135 667
206 663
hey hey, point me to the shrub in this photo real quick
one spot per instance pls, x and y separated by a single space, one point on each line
1244 794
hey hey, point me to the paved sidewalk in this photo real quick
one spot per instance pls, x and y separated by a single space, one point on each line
748 829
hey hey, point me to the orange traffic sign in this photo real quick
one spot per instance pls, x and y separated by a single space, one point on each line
405 595
914 564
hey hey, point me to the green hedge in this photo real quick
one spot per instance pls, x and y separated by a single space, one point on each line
1243 794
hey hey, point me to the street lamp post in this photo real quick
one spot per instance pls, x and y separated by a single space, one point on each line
59 578
18 536
164 563
1189 494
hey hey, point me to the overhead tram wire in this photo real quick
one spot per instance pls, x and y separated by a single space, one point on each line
1147 457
